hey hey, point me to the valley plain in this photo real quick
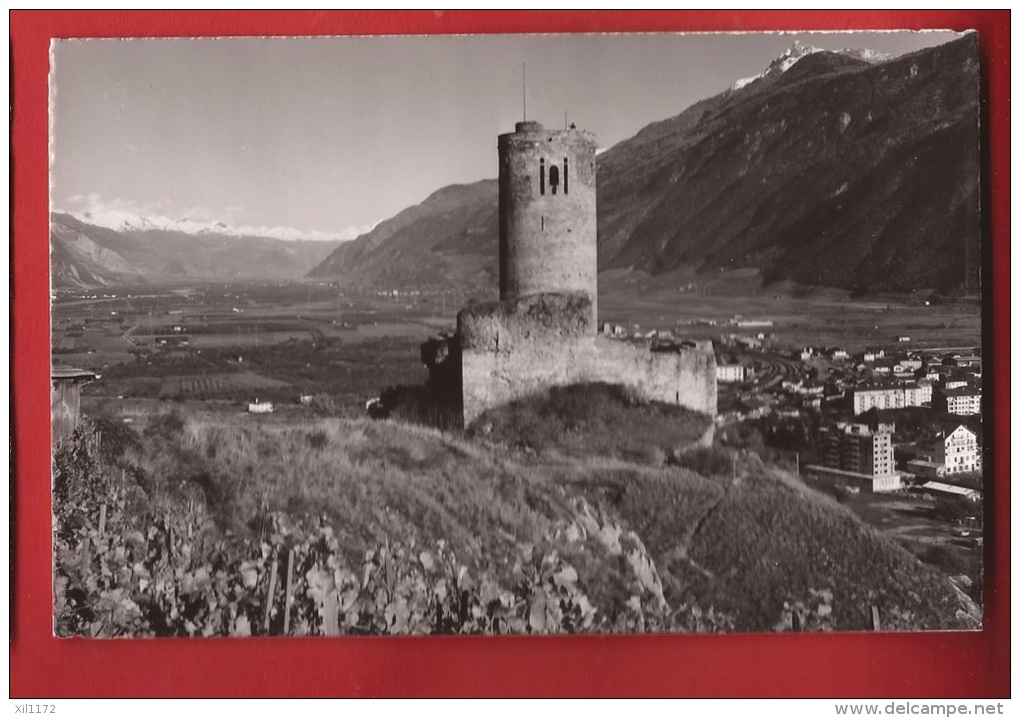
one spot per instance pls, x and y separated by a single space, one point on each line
236 342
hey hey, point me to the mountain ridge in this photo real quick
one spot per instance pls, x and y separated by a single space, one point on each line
838 171
87 255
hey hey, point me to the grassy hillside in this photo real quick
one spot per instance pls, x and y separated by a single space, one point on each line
566 538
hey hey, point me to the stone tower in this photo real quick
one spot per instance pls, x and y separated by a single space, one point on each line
547 214
542 332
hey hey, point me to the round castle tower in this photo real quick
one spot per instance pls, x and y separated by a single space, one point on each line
547 219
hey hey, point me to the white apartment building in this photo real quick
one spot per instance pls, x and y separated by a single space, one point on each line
958 450
729 373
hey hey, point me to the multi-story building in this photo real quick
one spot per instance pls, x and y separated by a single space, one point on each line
891 397
917 394
961 401
858 454
957 449
910 363
877 398
859 448
729 373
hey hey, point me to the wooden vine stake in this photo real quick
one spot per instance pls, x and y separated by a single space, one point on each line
287 600
876 622
269 598
102 519
85 559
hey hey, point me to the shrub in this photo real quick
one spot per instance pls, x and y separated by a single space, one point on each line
597 419
707 461
317 439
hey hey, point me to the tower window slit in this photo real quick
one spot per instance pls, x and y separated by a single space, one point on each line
554 178
541 176
565 176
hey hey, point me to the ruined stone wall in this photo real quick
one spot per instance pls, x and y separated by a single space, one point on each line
547 213
508 360
496 326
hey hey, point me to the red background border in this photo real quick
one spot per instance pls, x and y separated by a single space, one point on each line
903 665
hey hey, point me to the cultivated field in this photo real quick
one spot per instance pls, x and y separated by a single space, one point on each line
800 317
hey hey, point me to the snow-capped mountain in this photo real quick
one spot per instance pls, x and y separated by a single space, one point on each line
796 52
121 220
88 254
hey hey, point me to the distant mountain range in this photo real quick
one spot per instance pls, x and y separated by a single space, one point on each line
840 169
88 255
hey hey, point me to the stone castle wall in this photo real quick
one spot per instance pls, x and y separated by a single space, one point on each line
512 359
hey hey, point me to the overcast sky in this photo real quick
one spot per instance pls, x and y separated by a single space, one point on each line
331 135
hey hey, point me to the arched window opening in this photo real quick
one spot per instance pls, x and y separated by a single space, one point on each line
541 176
554 178
566 176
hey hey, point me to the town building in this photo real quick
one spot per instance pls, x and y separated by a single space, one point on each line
859 454
956 448
910 363
729 373
918 394
926 469
969 360
962 401
877 398
891 397
937 488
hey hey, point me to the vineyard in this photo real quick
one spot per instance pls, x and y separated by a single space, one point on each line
165 570
208 525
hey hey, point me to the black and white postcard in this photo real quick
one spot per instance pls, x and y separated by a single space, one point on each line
529 334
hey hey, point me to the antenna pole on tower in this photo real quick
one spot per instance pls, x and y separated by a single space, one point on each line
524 88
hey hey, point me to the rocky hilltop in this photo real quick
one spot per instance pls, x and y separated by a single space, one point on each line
838 169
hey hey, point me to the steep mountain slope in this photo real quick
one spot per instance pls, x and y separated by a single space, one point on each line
827 169
447 238
86 255
838 173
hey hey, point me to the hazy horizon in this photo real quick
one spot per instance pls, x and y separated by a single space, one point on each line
324 137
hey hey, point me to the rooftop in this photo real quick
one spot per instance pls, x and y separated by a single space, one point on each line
62 371
948 488
961 391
